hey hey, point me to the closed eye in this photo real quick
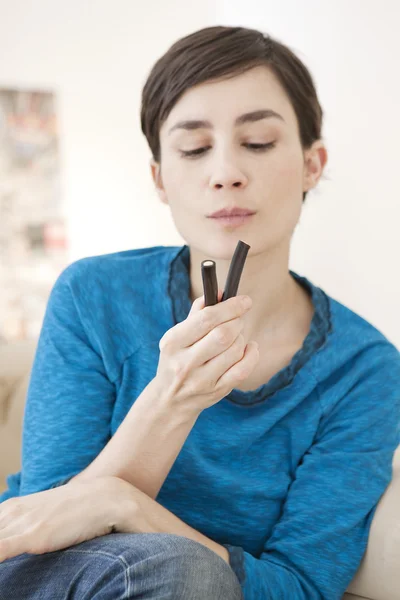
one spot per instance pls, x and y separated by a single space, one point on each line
252 147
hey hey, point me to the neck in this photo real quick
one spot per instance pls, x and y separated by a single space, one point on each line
281 307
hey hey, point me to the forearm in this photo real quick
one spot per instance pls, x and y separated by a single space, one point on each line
137 513
146 444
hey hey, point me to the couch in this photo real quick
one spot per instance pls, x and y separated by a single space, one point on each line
378 577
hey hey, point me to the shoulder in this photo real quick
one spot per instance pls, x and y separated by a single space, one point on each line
116 277
353 335
356 355
138 263
120 299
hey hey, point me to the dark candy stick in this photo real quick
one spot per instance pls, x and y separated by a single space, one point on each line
209 276
210 285
235 270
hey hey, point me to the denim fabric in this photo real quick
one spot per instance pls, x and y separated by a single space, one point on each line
121 566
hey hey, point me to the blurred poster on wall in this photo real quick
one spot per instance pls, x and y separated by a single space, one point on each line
33 245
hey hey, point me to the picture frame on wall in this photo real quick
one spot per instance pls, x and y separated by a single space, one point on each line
33 241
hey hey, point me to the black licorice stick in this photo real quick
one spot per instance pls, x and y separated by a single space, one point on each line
235 270
210 285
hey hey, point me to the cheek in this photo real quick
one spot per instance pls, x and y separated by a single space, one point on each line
178 187
175 174
284 188
285 173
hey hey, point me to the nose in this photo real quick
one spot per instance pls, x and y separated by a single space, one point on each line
228 184
227 174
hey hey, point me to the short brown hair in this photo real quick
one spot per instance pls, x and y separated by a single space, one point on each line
223 52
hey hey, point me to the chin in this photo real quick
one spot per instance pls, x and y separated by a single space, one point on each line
219 247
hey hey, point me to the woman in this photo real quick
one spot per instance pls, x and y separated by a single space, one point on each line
161 436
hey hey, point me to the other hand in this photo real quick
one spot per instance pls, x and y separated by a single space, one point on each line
59 517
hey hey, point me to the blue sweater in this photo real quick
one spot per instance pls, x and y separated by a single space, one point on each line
287 477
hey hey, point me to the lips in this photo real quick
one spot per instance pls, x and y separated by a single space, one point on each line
231 212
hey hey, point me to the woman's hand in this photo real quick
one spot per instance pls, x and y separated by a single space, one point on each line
205 356
59 517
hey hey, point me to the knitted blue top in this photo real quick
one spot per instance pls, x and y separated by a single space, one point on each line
287 476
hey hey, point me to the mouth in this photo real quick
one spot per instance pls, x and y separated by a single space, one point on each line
233 220
232 212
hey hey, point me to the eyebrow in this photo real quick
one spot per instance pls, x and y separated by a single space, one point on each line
250 117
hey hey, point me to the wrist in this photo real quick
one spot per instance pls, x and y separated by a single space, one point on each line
107 492
125 507
182 410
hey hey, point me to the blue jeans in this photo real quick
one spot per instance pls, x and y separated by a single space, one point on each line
121 566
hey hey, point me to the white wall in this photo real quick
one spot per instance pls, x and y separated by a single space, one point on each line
96 55
348 239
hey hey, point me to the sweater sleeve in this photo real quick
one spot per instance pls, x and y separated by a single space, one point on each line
70 397
320 539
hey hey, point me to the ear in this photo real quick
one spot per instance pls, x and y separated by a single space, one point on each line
315 159
155 168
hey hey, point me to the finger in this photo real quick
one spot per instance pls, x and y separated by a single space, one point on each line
198 304
242 369
202 321
211 371
218 341
13 545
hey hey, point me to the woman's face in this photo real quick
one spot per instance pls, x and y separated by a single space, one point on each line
227 172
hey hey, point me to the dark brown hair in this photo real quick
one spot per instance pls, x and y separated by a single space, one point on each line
221 52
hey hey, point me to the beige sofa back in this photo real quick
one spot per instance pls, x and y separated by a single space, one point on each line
15 366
